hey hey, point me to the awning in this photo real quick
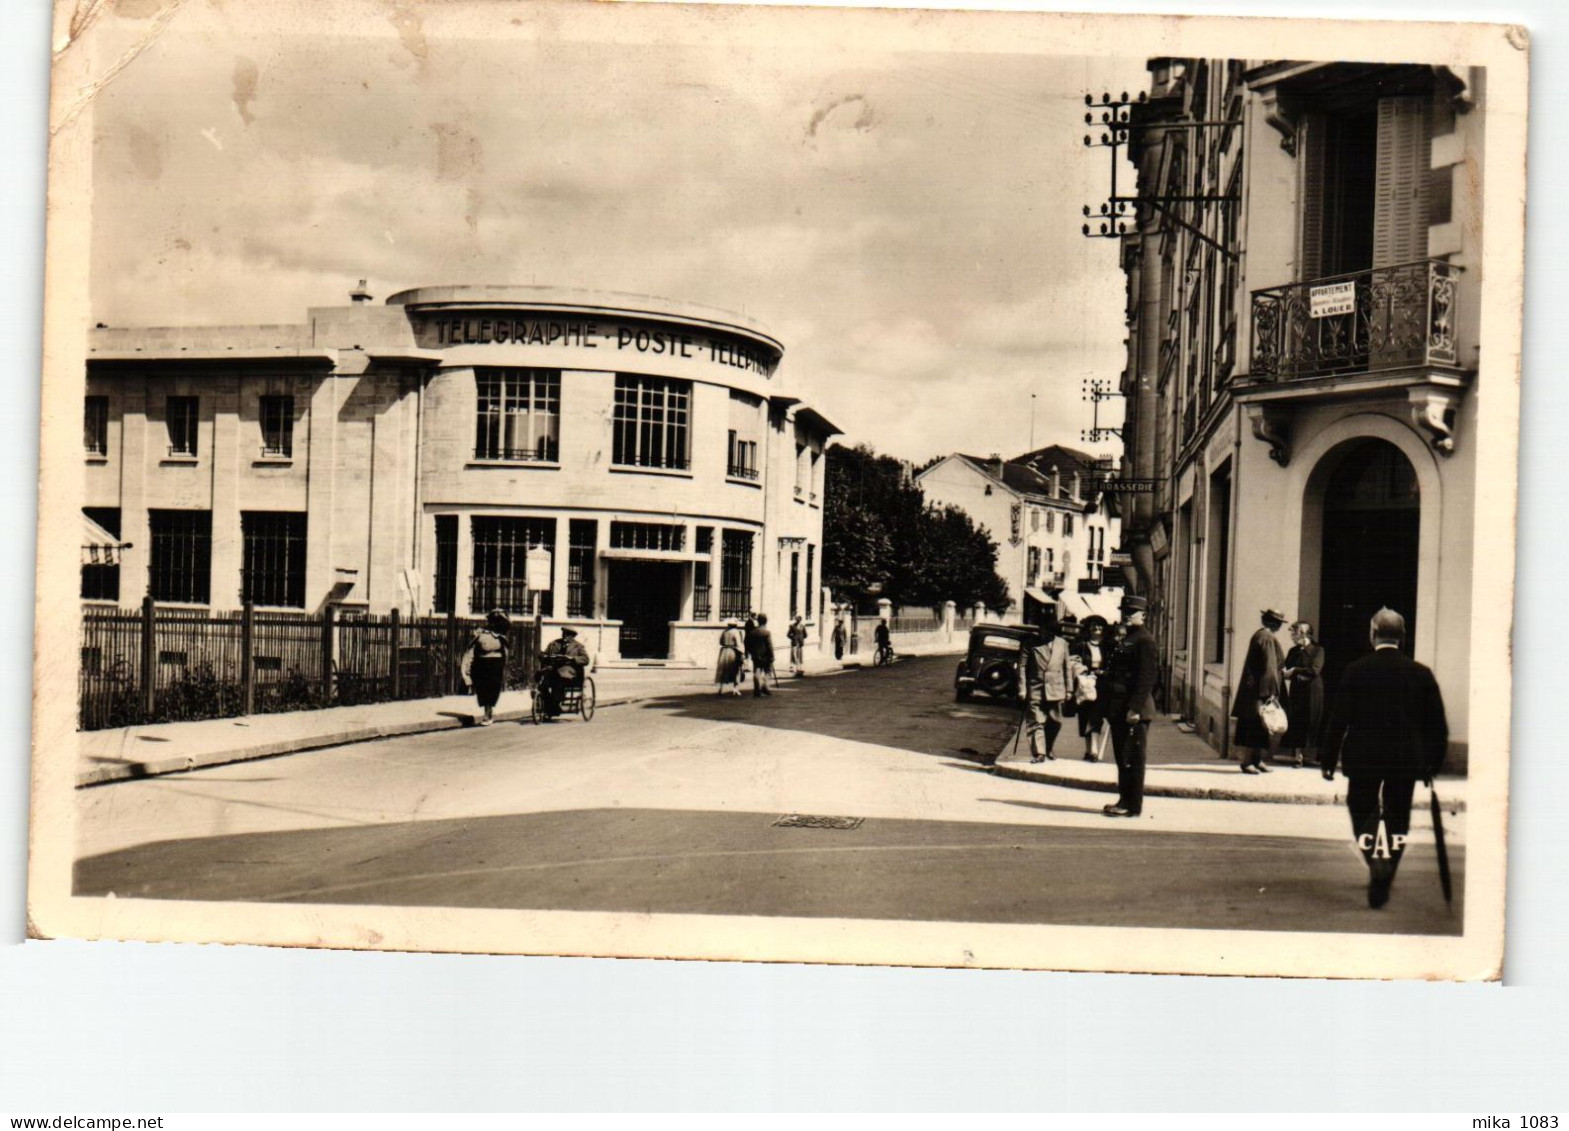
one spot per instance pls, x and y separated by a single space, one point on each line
99 547
1104 604
1040 596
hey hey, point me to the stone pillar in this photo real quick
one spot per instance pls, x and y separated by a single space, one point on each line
979 612
885 610
948 610
227 536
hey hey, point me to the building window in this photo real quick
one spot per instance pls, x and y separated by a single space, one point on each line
815 482
272 564
743 457
500 578
702 583
181 416
180 563
277 425
101 575
652 419
582 542
519 414
811 563
1067 526
735 574
1035 520
1051 522
795 583
444 599
95 426
745 417
801 469
1032 568
647 536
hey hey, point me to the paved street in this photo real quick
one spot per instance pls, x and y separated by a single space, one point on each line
670 804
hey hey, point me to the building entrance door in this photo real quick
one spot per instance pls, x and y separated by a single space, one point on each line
645 597
1372 513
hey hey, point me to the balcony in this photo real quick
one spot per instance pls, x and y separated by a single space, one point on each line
1386 318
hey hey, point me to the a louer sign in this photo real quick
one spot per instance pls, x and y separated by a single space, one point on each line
1332 298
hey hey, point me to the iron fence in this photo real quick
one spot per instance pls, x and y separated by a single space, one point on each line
170 665
1383 318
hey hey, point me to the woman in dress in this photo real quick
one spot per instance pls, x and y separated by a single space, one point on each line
485 662
1304 676
728 671
1089 662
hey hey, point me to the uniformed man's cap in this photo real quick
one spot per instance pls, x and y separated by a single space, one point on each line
569 632
1135 604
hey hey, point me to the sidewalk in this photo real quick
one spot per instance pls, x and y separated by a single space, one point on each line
171 748
1184 765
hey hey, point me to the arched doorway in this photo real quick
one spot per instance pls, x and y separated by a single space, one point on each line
1370 541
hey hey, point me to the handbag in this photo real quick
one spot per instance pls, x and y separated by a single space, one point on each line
1273 716
1084 690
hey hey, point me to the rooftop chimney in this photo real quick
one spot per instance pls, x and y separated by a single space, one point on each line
996 465
359 294
1056 483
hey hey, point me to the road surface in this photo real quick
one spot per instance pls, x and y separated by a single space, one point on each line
674 804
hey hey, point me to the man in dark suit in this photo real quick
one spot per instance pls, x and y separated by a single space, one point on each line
1131 674
1387 732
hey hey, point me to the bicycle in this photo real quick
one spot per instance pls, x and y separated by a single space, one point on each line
883 656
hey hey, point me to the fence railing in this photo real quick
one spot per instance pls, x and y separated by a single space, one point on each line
1383 318
171 665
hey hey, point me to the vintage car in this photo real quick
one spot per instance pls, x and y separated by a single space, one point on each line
991 664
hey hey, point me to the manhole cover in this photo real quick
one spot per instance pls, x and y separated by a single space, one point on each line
807 821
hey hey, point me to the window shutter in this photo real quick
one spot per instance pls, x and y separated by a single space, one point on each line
1401 197
1310 193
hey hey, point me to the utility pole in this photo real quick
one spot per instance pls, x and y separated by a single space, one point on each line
1032 423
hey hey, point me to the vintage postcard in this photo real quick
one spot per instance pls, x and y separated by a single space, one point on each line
845 486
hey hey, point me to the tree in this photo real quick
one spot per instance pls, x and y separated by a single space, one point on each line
881 538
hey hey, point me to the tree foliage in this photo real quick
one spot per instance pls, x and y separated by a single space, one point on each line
882 539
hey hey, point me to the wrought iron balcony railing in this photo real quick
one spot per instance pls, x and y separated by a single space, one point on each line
1384 318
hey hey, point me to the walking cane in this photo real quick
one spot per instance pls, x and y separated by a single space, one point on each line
1444 877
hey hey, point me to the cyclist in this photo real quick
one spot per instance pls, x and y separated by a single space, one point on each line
884 643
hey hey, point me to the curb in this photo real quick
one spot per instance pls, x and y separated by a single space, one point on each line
135 771
1192 792
132 771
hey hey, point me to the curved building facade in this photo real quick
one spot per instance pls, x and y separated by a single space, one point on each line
629 466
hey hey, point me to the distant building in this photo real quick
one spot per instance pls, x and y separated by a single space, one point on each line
1303 346
411 455
1054 532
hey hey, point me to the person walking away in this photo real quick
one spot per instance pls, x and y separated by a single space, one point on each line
732 660
760 647
1260 682
1304 678
1131 673
1043 685
797 635
1087 668
485 663
841 637
1387 731
563 664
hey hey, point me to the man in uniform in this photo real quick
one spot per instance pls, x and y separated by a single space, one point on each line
1387 730
1130 705
564 663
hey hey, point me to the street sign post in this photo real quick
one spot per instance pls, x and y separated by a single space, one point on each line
536 572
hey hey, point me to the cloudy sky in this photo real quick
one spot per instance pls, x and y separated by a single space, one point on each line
906 221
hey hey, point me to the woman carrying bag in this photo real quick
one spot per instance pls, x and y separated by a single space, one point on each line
1258 694
485 663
